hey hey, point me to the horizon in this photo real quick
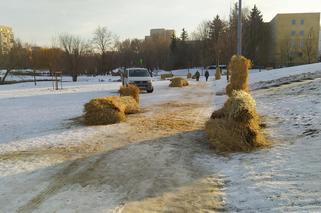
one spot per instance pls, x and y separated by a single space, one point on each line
83 17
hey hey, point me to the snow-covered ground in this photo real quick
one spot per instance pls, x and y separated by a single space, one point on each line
41 171
285 178
158 160
184 72
82 78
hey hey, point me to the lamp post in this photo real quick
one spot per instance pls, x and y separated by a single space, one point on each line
239 30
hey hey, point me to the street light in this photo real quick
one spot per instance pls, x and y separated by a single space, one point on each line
239 30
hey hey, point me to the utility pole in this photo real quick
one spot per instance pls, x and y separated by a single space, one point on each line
239 30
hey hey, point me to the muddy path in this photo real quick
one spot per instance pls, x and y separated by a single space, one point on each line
147 165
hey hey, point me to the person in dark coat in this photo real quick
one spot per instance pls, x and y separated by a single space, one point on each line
207 74
197 75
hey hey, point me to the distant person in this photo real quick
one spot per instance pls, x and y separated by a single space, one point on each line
197 75
207 74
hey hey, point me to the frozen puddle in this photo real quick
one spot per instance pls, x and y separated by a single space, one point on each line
285 178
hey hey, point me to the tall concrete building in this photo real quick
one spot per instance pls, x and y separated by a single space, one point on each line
6 39
162 34
295 38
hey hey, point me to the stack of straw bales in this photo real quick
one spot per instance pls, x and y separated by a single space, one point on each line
111 110
236 126
131 105
239 71
130 90
168 75
218 73
178 82
102 111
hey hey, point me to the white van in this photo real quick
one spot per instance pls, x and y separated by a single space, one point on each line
140 77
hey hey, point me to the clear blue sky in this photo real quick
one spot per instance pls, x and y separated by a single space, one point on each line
38 21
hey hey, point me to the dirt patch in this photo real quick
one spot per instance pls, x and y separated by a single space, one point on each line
170 118
148 164
55 153
166 122
178 105
201 196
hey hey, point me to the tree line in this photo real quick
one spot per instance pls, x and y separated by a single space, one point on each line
213 42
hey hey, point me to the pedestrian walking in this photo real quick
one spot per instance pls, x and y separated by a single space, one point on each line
197 75
207 74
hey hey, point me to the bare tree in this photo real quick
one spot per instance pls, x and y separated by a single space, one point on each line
47 58
286 51
16 58
309 46
202 31
103 41
74 48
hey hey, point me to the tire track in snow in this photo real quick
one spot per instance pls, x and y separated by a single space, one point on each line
179 150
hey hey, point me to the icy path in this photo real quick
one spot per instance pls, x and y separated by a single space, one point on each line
144 164
40 111
285 178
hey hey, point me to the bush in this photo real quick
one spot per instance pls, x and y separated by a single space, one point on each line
236 127
178 82
130 90
189 75
218 73
239 70
103 111
131 105
167 75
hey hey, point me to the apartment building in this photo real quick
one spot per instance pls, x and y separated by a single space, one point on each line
320 44
163 34
6 39
295 38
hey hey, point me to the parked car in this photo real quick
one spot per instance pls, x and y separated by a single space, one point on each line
141 77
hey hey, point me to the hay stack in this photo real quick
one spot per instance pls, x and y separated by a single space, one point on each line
231 136
189 75
228 73
236 127
103 111
238 107
218 73
178 82
239 68
109 110
167 75
130 90
131 105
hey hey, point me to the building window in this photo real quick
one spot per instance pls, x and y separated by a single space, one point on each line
293 22
293 33
302 33
302 21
